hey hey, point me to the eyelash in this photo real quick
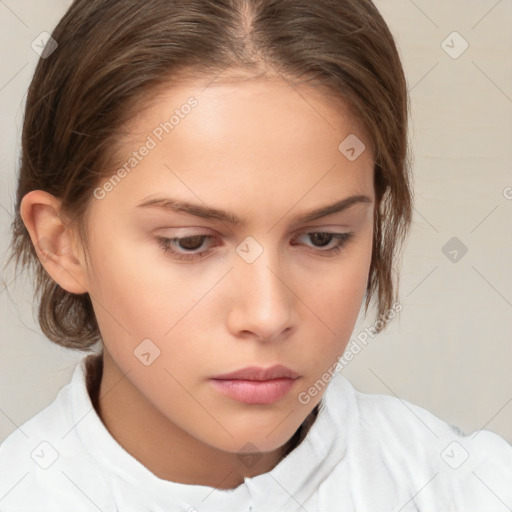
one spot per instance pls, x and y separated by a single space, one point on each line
166 244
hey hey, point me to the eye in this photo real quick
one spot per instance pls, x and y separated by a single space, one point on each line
188 243
183 248
325 238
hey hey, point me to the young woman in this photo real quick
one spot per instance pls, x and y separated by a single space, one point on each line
209 191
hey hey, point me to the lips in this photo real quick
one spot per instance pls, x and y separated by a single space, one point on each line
254 385
257 373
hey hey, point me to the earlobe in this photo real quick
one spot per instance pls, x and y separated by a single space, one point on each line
53 240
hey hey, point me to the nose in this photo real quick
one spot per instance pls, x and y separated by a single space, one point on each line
262 303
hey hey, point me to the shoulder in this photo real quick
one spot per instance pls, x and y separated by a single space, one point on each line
423 452
38 461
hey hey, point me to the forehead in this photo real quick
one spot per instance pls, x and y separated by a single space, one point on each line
244 137
270 110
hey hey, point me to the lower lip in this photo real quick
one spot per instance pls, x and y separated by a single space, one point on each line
254 391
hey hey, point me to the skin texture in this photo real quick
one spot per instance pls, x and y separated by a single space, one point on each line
267 153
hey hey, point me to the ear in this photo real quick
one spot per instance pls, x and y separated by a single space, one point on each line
55 243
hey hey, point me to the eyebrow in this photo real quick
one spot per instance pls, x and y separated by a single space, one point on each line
205 212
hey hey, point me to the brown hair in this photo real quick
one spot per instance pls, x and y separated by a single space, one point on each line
113 55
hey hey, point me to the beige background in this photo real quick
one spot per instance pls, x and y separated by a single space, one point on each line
450 350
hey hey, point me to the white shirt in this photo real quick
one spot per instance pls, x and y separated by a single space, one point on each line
365 452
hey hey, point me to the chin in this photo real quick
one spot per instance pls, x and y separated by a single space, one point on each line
251 446
252 440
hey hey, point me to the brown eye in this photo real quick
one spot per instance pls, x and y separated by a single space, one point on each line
191 243
178 247
323 239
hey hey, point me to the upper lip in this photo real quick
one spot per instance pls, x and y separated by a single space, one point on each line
257 373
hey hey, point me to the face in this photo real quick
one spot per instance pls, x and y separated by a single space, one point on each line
182 297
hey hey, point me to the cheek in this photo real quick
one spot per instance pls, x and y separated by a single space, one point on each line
127 292
340 287
128 277
138 295
337 297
